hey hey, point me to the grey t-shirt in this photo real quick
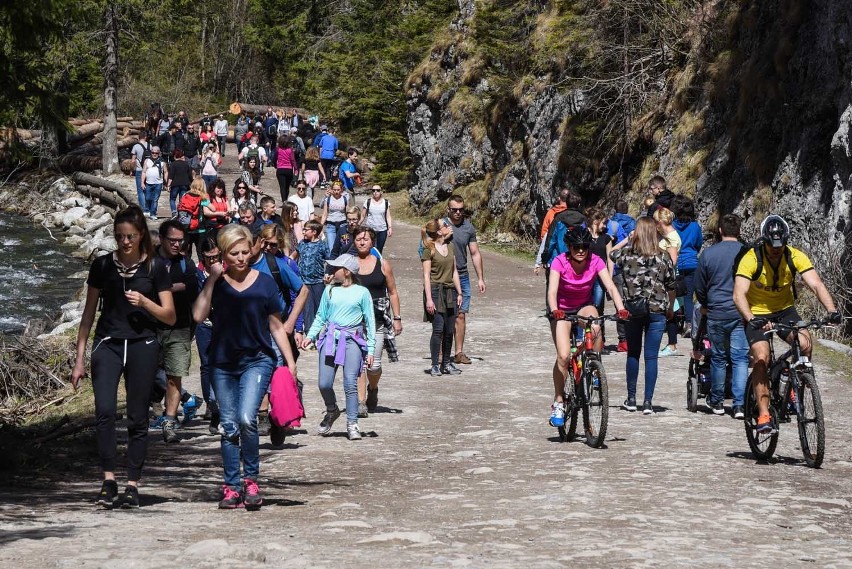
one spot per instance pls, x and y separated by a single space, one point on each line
463 235
138 152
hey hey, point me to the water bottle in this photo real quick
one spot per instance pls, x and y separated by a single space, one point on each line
783 379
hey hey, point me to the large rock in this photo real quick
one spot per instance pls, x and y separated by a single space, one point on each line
76 200
73 214
92 225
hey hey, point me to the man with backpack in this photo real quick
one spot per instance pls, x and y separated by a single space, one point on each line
253 150
765 294
270 128
166 142
298 146
176 340
140 151
192 148
155 173
714 289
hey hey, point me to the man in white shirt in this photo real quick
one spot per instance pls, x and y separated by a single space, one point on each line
155 173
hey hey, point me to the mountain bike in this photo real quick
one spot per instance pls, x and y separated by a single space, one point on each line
590 393
793 391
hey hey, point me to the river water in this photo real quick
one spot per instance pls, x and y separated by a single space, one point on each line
34 273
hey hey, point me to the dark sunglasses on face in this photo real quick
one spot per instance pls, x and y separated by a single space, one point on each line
579 248
456 209
119 237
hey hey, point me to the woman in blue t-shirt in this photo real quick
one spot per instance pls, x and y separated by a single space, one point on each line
241 358
691 239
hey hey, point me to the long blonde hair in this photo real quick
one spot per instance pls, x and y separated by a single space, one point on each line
645 240
429 233
198 187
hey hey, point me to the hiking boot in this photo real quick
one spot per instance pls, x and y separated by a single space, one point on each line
461 358
213 427
717 408
277 434
328 421
157 424
362 410
647 408
557 414
353 432
372 399
738 412
251 495
764 424
263 424
109 492
231 499
629 404
190 408
450 368
169 431
435 371
130 499
622 345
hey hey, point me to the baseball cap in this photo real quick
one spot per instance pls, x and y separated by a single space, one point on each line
346 261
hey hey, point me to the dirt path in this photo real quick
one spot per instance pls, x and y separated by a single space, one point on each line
465 472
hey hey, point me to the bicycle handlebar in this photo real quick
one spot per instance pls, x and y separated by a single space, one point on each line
592 319
795 326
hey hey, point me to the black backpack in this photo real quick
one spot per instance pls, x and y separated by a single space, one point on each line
757 247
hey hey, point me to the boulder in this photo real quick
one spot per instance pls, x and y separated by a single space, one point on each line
97 211
93 224
75 240
106 243
76 200
73 215
76 230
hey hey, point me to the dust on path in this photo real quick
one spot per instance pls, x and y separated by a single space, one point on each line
465 472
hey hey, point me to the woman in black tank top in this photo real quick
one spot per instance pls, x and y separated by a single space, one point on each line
377 276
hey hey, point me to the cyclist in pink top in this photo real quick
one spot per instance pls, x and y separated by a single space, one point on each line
569 292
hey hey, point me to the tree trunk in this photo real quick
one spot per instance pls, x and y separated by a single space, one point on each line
110 149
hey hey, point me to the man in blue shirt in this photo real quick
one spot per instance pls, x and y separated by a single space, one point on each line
328 146
348 172
714 289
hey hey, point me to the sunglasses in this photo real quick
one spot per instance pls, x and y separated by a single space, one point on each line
211 259
174 240
271 244
579 248
456 209
119 237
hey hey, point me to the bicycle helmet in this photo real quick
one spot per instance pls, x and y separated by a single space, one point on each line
775 231
577 235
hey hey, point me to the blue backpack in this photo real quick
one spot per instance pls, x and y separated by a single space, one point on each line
555 242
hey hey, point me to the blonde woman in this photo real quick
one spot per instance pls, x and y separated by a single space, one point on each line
442 292
197 197
241 358
670 242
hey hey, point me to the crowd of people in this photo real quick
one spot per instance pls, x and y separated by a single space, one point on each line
267 283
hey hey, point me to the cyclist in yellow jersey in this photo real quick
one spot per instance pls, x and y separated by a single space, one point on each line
768 297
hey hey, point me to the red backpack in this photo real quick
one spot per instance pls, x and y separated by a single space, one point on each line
189 212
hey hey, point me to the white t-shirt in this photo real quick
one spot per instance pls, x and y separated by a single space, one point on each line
305 206
376 214
153 173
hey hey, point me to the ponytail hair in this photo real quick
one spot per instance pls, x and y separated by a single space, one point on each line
429 232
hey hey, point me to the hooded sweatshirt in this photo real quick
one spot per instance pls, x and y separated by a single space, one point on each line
691 241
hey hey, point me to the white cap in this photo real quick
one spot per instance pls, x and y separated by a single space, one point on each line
346 261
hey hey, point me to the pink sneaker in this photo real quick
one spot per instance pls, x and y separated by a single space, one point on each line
231 499
252 499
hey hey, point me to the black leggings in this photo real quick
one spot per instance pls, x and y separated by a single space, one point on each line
285 179
443 329
138 360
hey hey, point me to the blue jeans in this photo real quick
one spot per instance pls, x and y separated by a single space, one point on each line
381 238
312 304
332 228
351 371
652 328
728 340
239 391
464 281
203 336
175 194
140 191
598 295
152 197
209 181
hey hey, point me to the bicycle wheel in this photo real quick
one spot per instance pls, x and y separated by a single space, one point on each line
810 419
596 408
762 444
692 394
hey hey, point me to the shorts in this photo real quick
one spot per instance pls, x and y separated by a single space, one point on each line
464 281
784 316
176 346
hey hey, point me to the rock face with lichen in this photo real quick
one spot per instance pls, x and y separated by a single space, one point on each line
754 119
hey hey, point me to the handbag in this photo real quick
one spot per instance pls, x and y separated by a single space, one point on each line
637 306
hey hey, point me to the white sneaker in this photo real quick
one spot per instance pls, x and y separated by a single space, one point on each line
353 432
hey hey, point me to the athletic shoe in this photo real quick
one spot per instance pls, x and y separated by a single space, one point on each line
372 399
190 408
450 368
231 499
667 351
629 404
263 424
764 424
353 432
169 433
557 415
328 421
461 358
277 434
157 424
362 410
109 492
647 408
213 427
622 345
130 499
738 412
717 408
157 408
687 332
435 371
251 495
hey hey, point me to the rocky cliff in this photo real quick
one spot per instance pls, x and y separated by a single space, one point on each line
746 106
